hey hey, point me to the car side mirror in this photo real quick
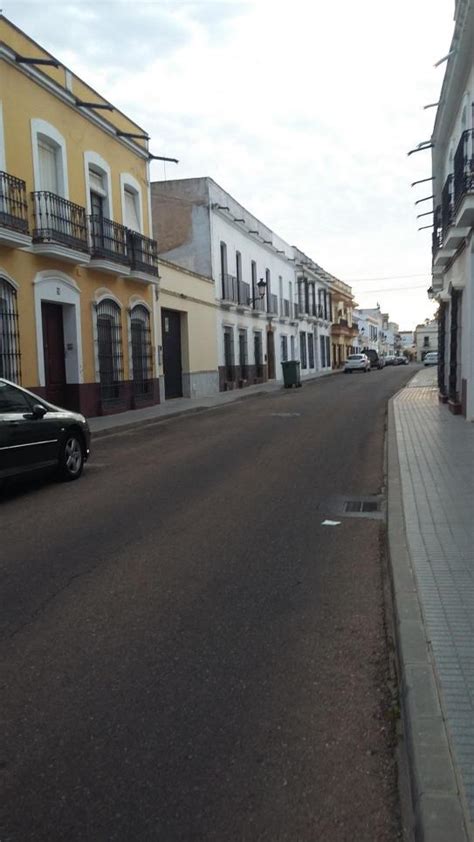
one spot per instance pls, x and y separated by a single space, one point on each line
38 411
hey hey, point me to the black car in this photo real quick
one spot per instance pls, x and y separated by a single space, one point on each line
35 435
375 360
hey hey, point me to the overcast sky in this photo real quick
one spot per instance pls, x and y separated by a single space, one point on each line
303 110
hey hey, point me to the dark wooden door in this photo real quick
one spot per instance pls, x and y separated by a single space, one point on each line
171 332
53 345
271 354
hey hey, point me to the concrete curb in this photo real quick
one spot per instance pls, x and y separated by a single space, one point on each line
438 807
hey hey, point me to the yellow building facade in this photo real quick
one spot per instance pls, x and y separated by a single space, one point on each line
188 331
344 331
79 316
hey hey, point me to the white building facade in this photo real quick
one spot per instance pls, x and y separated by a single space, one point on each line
271 303
453 242
426 339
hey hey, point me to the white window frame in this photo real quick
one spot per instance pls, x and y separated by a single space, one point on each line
127 180
92 159
46 130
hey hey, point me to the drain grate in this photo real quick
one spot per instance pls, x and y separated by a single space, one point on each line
361 506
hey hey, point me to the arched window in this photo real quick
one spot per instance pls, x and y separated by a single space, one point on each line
110 354
142 361
9 336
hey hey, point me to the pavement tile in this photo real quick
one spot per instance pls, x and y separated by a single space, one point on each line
436 457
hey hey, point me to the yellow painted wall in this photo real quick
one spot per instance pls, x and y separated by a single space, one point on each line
23 99
22 267
193 295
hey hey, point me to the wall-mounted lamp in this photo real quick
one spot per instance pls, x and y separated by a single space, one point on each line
261 286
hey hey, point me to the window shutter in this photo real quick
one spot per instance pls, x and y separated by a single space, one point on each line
132 219
48 163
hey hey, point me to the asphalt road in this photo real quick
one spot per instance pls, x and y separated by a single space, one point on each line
187 652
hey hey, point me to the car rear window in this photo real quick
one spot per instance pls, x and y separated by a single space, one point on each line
355 357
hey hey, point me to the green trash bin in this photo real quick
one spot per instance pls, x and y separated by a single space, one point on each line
291 373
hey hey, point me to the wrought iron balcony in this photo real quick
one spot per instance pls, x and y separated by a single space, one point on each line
244 293
286 308
447 205
109 240
464 167
437 230
230 288
273 304
59 221
13 203
142 253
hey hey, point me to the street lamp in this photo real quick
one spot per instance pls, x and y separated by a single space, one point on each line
261 286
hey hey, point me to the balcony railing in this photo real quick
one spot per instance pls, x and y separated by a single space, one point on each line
13 204
259 303
286 308
244 293
142 253
437 230
464 167
230 288
447 205
59 221
273 304
109 240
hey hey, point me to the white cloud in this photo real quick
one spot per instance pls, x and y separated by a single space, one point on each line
304 111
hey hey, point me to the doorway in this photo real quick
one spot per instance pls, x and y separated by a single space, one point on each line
172 365
271 354
53 349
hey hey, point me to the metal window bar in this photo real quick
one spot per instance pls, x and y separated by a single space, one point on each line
143 253
310 350
59 221
304 361
453 346
273 304
110 354
286 308
10 358
109 239
229 354
442 347
284 349
243 355
447 206
13 203
464 167
142 355
244 293
257 345
229 288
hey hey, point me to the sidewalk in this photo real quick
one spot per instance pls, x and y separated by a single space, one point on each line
431 539
104 425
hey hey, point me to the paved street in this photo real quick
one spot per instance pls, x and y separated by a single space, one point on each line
187 652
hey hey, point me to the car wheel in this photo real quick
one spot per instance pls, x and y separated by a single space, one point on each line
71 458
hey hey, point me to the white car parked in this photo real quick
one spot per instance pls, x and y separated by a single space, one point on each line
431 358
356 362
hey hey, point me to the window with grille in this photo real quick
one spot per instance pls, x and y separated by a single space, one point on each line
142 359
9 336
229 353
322 350
243 356
110 354
310 350
284 348
303 356
257 345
